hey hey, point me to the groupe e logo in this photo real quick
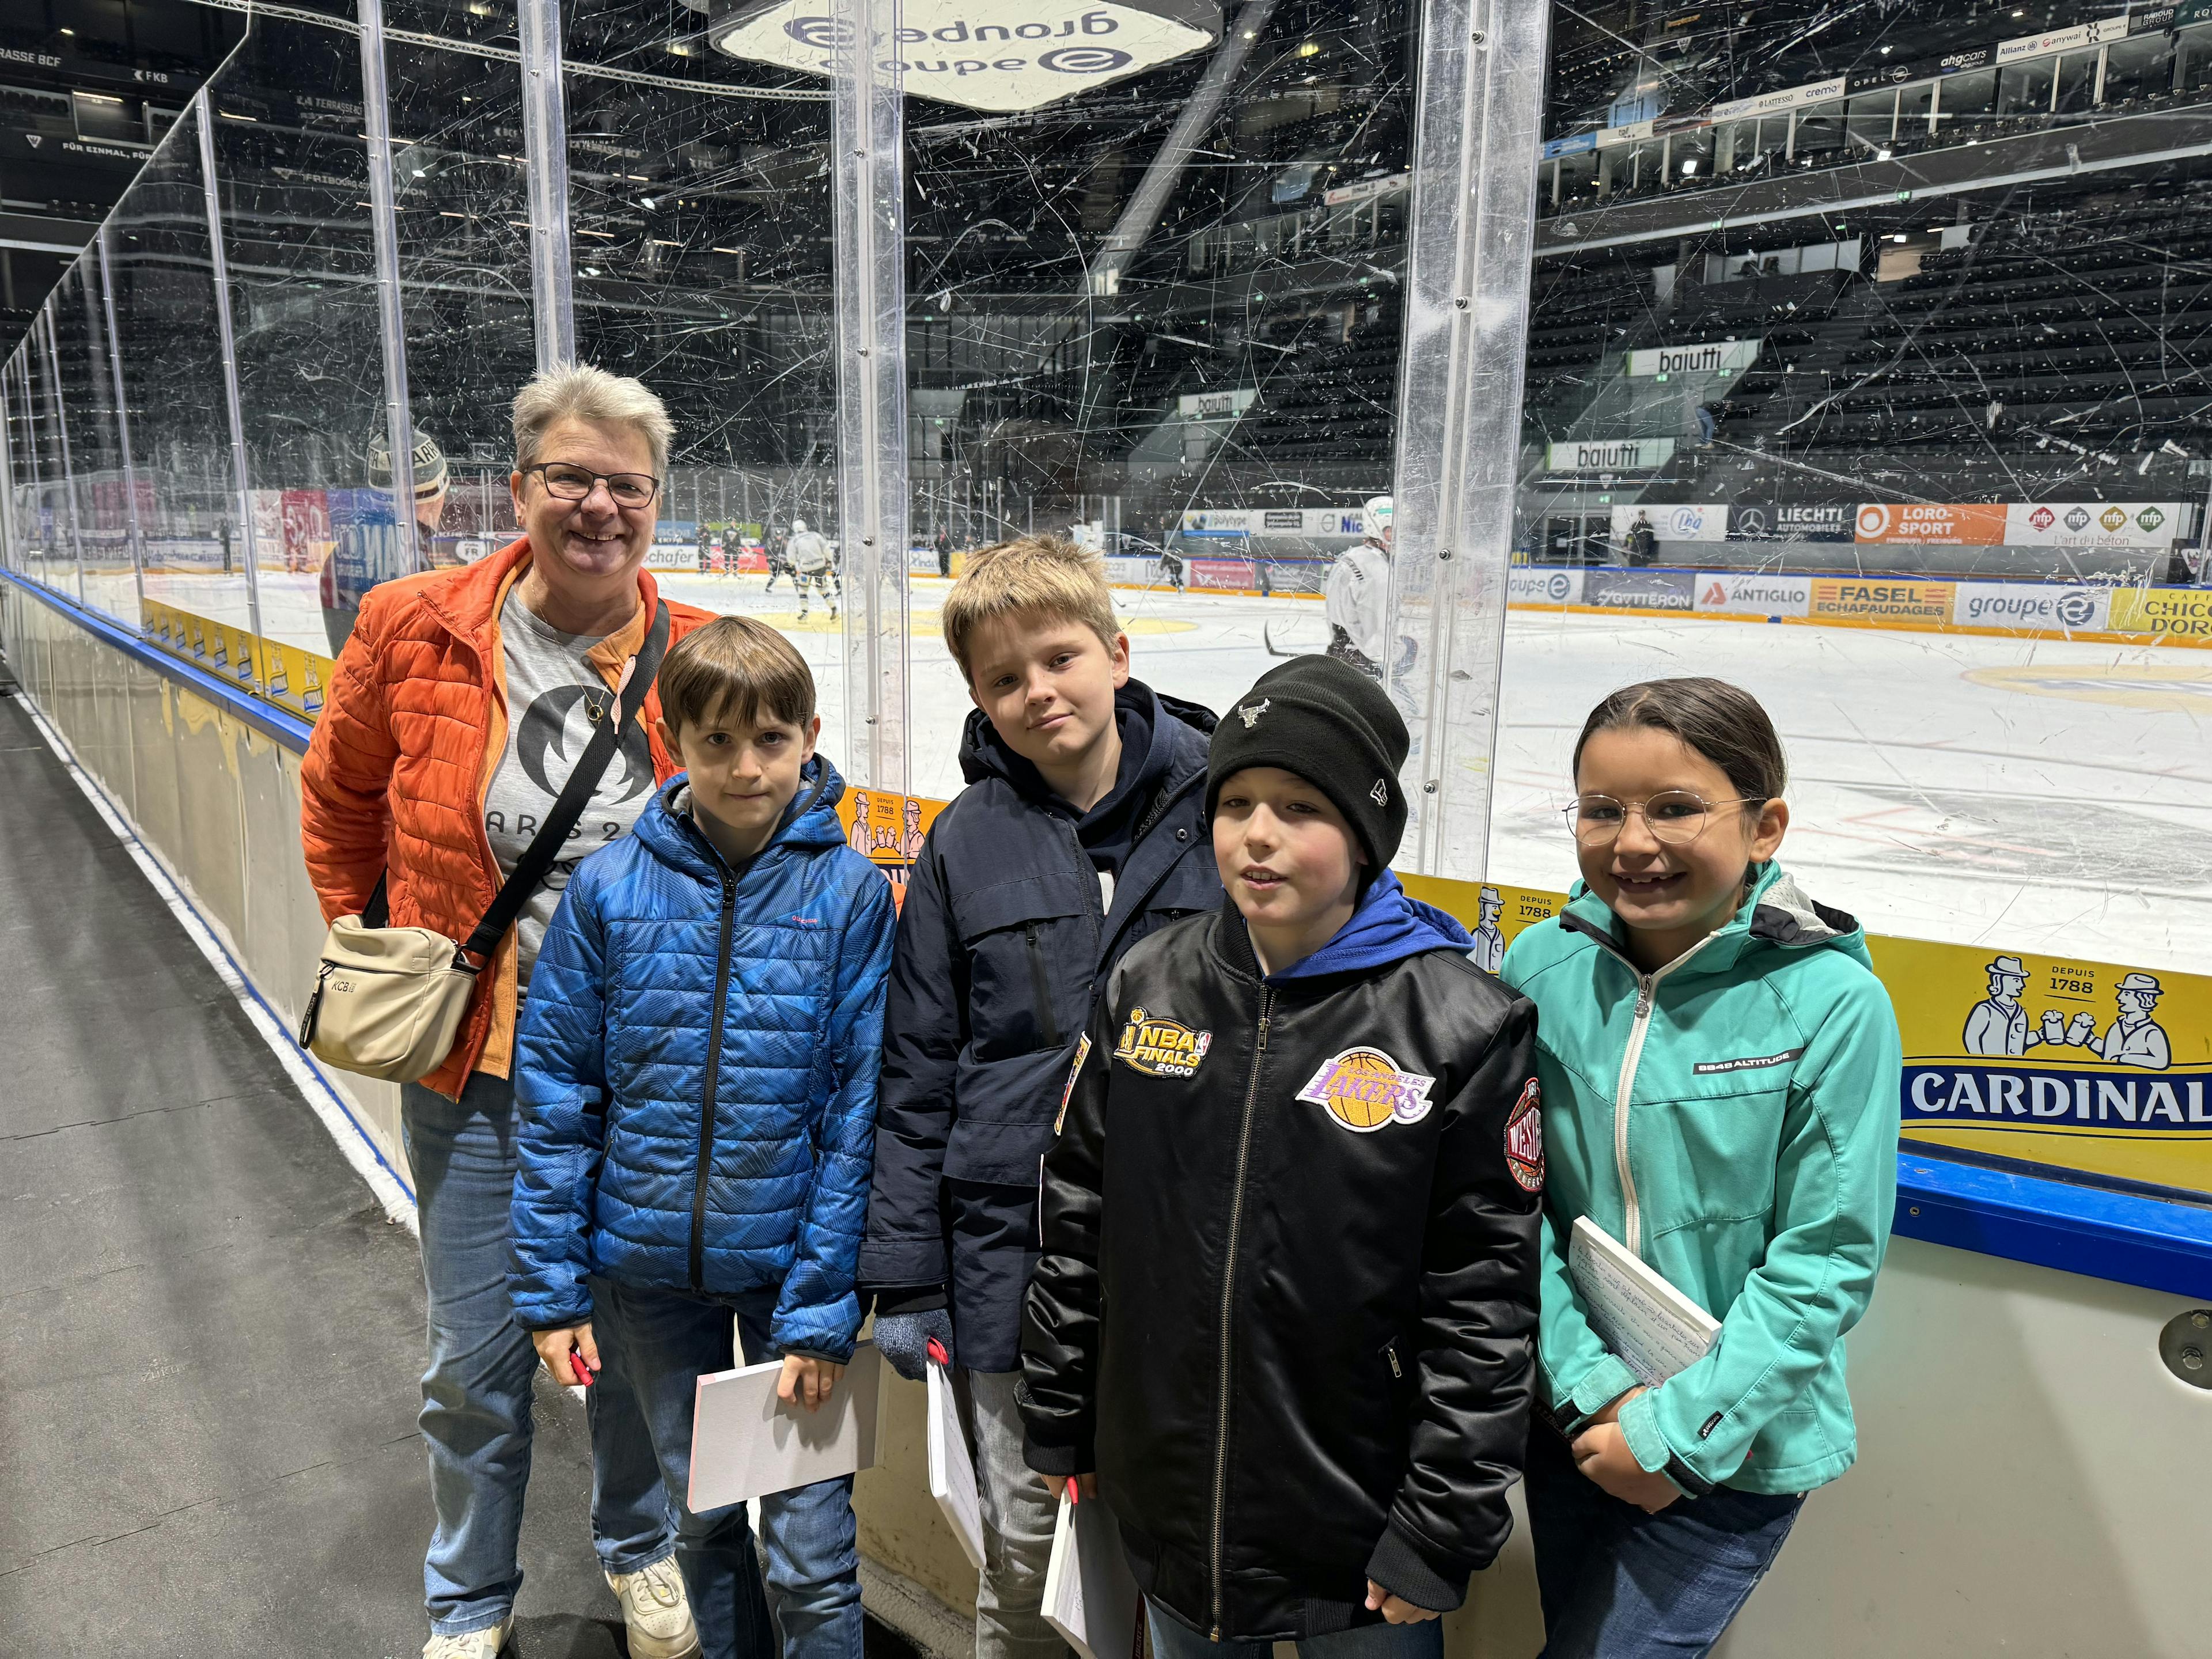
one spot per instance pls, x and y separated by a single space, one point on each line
828 34
2077 608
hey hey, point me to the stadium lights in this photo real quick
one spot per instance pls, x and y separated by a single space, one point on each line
1689 168
1309 49
2143 465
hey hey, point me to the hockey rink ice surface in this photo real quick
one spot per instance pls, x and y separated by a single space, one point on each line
2029 795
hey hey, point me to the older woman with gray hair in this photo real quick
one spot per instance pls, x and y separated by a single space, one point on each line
455 713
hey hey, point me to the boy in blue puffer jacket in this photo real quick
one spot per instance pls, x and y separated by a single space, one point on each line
696 1075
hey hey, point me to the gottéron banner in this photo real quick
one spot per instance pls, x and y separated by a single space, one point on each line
998 55
2085 1067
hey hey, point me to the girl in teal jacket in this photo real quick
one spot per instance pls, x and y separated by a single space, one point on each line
1720 1069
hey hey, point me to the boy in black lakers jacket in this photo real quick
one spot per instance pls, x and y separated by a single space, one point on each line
1288 1283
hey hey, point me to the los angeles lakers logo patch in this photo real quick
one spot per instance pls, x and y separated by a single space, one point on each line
1364 1089
1161 1048
1524 1138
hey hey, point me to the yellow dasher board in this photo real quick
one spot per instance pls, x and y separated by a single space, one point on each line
285 674
887 829
219 648
2088 1067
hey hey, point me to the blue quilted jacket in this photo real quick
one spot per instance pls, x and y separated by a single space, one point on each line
667 980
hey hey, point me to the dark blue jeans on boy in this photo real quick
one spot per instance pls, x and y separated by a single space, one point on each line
658 1343
1618 1583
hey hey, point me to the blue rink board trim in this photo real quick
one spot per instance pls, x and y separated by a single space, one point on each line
2152 1242
279 725
2147 1242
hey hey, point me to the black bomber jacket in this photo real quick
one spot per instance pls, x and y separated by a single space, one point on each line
1287 1305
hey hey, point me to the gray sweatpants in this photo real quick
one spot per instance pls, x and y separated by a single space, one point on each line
1019 1514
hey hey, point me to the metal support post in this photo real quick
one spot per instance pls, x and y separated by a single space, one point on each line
391 317
1471 223
868 140
46 315
203 109
122 422
545 146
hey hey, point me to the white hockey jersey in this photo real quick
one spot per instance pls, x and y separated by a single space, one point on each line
1357 599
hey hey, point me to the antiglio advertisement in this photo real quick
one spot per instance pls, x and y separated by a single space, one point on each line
986 54
1746 593
2088 1067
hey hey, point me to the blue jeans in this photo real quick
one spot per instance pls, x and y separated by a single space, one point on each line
476 1418
1618 1583
1173 1639
665 1340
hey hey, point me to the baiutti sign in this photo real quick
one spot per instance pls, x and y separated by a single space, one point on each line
999 55
1212 405
1714 357
1610 455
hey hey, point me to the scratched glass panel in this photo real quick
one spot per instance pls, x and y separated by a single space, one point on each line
464 243
162 266
1916 366
700 215
1162 315
94 451
21 550
49 550
291 168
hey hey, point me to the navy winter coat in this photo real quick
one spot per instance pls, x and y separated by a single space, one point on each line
1002 943
668 979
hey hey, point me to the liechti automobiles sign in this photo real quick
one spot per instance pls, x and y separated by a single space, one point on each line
1003 55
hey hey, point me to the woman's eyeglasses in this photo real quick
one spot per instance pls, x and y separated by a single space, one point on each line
1675 817
570 482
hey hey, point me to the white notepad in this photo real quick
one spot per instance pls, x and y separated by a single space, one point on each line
951 1470
1652 1326
746 1443
1089 1596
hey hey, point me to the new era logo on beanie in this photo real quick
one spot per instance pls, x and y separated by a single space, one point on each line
1332 725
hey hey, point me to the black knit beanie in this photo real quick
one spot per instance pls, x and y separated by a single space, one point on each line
1334 727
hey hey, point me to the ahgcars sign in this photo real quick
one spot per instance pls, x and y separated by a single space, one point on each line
999 55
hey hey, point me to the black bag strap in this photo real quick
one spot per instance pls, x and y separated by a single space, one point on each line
545 846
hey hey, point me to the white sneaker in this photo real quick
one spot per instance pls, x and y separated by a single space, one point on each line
656 1612
476 1644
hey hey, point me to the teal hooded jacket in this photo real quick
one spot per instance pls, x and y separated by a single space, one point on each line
1731 1118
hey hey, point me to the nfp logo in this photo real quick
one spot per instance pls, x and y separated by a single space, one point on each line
998 55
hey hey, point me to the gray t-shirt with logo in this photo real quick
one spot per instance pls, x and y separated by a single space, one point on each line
555 700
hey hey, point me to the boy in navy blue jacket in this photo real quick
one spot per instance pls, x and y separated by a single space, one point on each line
696 1072
1077 834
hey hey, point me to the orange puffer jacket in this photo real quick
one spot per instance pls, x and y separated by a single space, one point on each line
403 756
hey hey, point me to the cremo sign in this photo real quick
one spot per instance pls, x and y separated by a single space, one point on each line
999 55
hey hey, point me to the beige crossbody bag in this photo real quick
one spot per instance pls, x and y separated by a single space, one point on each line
389 1001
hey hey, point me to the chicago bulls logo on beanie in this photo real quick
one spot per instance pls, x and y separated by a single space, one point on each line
1332 725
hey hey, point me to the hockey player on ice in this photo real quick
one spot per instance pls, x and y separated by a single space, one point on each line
809 556
1356 600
